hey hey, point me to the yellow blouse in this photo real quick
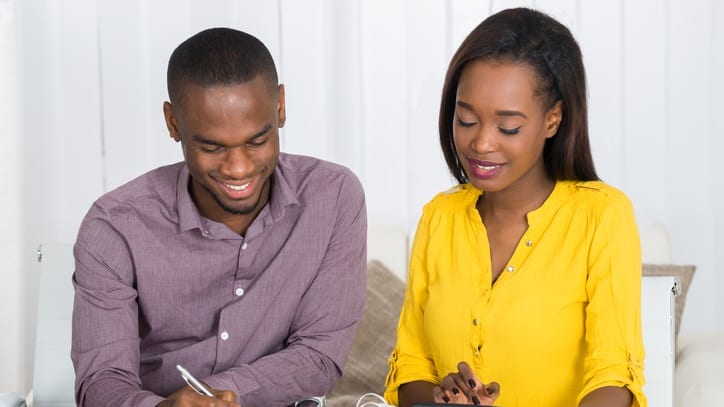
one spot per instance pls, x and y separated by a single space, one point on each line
563 318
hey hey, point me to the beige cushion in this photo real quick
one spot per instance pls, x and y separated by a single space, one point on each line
685 274
376 336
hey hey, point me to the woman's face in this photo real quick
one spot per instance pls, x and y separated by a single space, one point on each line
500 125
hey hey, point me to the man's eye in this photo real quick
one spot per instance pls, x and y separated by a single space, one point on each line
509 132
465 124
258 142
210 148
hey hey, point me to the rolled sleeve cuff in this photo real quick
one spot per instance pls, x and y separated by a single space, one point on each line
404 370
629 375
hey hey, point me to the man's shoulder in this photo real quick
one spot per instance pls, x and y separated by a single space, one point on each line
310 175
157 185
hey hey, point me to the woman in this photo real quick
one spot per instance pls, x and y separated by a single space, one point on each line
528 273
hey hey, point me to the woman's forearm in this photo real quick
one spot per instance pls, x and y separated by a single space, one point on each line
415 392
609 396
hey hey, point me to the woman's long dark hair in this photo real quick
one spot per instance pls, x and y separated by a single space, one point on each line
530 37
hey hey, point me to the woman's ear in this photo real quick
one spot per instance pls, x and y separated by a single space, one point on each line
553 119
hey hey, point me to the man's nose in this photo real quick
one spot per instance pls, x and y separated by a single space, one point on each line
236 163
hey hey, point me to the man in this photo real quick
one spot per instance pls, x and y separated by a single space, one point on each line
244 265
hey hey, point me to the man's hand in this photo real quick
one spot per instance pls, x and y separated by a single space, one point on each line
187 397
464 387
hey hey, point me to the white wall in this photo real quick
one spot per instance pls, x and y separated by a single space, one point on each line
11 238
363 81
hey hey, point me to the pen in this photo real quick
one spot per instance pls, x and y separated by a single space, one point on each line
194 382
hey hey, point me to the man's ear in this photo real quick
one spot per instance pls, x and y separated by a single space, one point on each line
281 107
553 119
171 122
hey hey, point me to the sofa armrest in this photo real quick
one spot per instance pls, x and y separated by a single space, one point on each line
12 400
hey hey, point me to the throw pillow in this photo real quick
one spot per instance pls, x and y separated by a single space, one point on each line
685 274
376 336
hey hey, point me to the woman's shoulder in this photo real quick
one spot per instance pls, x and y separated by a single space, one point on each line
596 195
458 197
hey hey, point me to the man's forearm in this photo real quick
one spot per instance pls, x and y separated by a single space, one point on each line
279 379
110 391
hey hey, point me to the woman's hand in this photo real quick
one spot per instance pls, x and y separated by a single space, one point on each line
464 387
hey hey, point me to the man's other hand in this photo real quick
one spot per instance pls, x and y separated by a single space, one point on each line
187 397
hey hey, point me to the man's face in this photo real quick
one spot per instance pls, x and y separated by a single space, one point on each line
230 140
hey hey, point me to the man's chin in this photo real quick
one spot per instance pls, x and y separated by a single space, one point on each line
244 210
239 208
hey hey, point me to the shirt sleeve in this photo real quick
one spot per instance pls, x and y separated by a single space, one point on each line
411 359
323 328
105 343
614 341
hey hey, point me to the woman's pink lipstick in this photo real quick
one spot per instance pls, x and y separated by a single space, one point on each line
485 169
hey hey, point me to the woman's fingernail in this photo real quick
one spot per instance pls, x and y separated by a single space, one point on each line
455 390
471 382
446 399
476 401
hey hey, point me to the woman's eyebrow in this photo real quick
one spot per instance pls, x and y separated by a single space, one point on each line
510 113
506 113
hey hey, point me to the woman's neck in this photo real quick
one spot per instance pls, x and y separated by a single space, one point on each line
515 201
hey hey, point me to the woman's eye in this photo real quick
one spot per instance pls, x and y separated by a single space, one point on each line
509 132
465 124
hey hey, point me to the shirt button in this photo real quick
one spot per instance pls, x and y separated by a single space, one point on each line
224 336
475 322
205 233
243 246
511 269
529 243
239 292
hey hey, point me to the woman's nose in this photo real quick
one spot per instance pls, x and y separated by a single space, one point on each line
485 140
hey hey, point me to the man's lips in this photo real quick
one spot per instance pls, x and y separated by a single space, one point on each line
236 190
242 187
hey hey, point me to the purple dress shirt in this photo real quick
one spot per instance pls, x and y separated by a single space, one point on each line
270 315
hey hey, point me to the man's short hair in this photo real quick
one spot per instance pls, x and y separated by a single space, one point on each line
218 56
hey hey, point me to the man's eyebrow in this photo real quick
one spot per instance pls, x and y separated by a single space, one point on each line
262 131
203 140
468 106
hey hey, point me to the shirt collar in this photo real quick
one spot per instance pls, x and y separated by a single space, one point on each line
282 196
561 192
188 216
